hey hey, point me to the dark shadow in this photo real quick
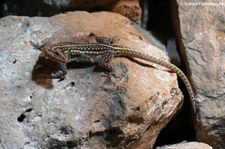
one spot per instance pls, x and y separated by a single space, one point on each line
83 65
44 68
78 65
42 72
180 127
161 17
41 8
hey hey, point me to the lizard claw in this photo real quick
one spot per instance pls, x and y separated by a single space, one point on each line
59 75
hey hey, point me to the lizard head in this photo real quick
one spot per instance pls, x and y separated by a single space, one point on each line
54 53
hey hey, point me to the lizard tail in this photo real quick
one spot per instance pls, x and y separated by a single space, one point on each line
129 52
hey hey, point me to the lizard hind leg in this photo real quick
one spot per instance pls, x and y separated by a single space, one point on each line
105 66
105 40
104 61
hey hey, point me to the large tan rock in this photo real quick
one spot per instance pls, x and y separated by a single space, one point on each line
202 26
89 109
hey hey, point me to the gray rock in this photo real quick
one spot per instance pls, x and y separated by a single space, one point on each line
89 109
202 38
186 145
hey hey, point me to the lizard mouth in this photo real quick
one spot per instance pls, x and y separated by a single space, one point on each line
56 59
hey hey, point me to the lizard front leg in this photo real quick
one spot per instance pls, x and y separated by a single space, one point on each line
61 73
63 69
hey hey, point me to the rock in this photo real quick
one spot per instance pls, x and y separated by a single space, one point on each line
202 42
90 108
186 145
129 8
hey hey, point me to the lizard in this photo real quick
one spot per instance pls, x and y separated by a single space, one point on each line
102 53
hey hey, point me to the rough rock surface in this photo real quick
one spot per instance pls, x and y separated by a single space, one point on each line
89 109
186 145
202 32
129 8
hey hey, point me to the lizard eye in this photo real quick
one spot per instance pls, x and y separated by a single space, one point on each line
56 53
